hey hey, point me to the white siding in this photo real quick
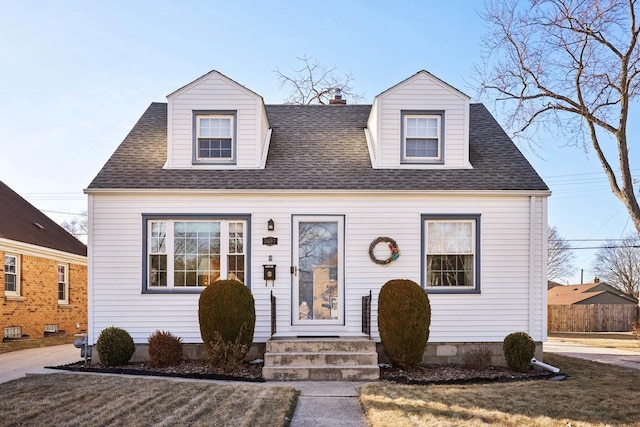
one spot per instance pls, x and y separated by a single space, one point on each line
372 126
421 92
502 306
215 92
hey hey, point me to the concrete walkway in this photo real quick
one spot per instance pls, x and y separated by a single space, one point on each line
321 403
17 364
625 358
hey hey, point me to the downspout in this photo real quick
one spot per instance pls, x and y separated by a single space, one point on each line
544 366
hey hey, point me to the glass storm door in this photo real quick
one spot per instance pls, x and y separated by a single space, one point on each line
318 271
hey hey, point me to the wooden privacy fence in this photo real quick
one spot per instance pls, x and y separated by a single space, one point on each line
591 317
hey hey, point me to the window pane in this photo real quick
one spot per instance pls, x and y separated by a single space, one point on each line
449 270
236 245
421 147
205 127
431 148
465 229
431 128
236 267
464 245
196 259
9 264
10 283
215 127
158 276
214 148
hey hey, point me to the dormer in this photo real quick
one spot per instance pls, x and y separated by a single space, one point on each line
216 123
420 123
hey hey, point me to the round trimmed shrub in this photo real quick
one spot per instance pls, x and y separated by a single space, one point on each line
519 348
165 349
115 346
404 317
226 310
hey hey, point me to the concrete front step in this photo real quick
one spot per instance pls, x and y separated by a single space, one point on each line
321 373
316 345
321 359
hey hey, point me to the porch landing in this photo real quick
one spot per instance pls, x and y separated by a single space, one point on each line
321 359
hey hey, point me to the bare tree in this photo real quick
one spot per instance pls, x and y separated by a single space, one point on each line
314 84
78 226
571 66
560 259
618 263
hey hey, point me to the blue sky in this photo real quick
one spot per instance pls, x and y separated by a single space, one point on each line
76 76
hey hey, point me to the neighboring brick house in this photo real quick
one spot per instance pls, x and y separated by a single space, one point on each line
43 275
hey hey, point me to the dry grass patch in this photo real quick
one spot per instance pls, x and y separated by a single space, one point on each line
594 394
71 400
617 340
6 347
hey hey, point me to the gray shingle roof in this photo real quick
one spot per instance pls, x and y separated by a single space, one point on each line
19 219
318 147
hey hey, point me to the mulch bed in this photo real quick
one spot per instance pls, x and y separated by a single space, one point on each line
423 374
197 369
431 374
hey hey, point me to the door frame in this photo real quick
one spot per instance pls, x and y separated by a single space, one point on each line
318 325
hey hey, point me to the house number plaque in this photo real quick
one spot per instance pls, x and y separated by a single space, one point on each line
270 241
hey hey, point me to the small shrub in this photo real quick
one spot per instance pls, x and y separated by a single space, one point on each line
227 315
226 355
519 348
404 317
115 346
477 358
165 349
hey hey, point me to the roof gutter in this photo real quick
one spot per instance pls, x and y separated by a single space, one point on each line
492 193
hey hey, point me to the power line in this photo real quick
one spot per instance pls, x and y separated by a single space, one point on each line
65 213
599 247
585 240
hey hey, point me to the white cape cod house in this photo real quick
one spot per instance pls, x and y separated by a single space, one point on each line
302 202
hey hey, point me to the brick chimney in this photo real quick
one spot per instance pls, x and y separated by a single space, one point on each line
596 279
337 99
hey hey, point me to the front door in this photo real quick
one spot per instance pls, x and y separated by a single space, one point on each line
318 271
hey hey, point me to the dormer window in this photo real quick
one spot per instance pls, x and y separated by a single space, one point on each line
422 137
214 137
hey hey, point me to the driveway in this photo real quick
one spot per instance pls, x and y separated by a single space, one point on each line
16 364
612 356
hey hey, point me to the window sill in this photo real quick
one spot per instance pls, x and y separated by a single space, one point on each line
165 291
18 298
440 290
425 161
65 306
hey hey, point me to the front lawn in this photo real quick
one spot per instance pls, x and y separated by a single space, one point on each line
70 400
593 394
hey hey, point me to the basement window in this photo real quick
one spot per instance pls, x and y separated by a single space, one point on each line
13 332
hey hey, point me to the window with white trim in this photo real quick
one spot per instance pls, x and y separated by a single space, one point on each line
214 140
451 253
63 284
193 253
422 140
11 275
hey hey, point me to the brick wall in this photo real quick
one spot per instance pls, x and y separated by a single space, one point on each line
39 297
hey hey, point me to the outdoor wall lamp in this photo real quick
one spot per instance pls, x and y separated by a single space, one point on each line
270 225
